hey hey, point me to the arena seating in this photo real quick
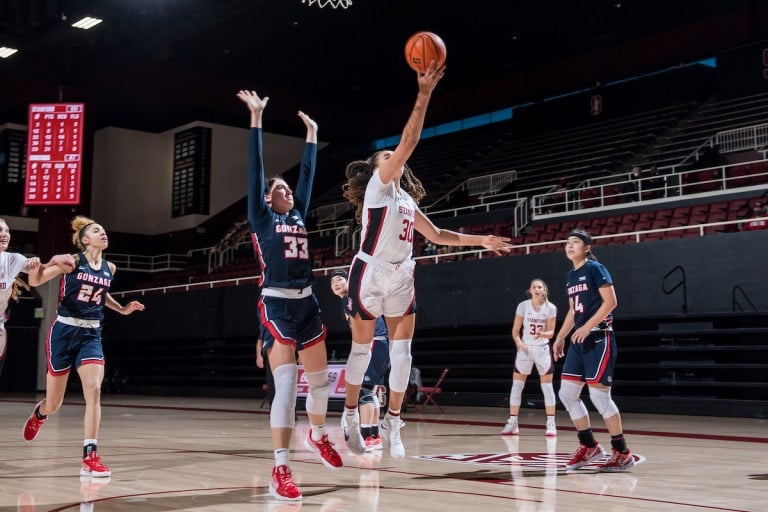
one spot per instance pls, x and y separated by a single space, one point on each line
705 122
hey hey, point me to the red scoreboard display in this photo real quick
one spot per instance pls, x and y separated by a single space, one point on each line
54 153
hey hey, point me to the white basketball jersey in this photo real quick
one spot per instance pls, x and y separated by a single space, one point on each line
535 321
388 216
10 266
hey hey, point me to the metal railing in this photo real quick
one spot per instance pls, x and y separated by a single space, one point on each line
140 263
742 139
636 236
489 183
730 141
635 191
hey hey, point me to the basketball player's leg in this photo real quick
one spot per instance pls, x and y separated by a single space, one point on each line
91 377
401 331
359 357
523 366
282 413
357 364
282 358
56 386
3 341
315 363
512 428
545 368
367 288
400 335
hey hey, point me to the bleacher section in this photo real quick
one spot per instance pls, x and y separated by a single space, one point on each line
573 154
583 152
705 122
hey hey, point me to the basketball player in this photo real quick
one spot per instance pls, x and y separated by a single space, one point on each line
75 336
385 193
591 358
376 373
290 314
11 265
535 318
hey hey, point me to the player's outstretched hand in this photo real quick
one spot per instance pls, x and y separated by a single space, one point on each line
428 81
497 244
132 306
250 98
308 121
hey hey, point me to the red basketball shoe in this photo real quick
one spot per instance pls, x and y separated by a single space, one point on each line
33 425
92 466
584 455
281 486
618 462
324 448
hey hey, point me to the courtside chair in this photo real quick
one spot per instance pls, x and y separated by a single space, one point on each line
431 391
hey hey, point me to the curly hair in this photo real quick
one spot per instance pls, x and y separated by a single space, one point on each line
18 284
358 174
79 225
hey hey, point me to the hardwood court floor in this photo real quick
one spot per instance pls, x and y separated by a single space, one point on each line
201 454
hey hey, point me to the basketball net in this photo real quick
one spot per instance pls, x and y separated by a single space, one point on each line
336 4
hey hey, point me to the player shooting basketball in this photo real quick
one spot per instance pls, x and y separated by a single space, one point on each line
386 193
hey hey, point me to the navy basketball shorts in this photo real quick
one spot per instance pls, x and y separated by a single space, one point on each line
592 361
294 322
69 345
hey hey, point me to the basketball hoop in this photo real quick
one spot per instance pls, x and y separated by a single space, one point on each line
336 4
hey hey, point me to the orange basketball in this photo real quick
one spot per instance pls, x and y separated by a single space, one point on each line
422 48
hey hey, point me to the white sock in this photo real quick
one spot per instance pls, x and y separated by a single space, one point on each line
317 432
281 457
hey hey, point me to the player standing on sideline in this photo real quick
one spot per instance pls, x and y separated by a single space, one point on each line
75 336
536 318
376 373
385 193
591 358
11 265
290 313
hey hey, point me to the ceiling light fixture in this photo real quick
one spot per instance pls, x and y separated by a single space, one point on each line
6 52
87 22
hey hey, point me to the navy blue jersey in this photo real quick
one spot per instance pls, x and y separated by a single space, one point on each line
380 330
83 292
583 288
280 241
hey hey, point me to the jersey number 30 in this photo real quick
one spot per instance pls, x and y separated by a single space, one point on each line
407 233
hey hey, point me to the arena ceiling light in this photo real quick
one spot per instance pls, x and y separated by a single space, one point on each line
87 22
6 52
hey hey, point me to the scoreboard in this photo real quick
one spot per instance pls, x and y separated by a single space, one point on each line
54 154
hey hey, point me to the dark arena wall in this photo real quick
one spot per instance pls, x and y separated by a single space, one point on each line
671 359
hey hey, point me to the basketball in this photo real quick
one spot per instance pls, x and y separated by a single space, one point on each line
422 48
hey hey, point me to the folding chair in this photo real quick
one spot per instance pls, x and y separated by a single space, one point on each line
264 388
431 391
